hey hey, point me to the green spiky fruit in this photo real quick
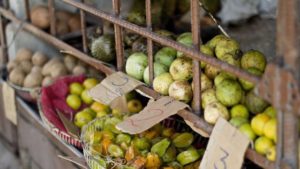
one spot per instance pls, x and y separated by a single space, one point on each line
103 48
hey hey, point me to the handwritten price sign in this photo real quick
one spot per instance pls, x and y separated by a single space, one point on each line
112 87
152 114
9 106
226 147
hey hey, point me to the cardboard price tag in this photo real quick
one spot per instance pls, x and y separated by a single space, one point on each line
112 87
9 101
226 147
152 114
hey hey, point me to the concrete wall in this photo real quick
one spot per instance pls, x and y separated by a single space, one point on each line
18 39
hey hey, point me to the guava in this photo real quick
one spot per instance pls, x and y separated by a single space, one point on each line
162 83
227 46
158 69
181 90
229 92
215 110
182 69
255 59
165 56
136 65
255 104
246 84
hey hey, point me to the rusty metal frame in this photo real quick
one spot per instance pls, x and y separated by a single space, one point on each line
83 30
287 143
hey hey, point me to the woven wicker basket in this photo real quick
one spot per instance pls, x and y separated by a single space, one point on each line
94 161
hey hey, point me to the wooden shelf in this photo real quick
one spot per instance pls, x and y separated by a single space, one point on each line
197 121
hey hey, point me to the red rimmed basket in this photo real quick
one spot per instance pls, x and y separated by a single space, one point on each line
52 99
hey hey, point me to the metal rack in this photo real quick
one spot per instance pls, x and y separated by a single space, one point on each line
285 69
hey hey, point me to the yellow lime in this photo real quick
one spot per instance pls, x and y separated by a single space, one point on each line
263 144
271 153
247 130
239 111
258 123
270 129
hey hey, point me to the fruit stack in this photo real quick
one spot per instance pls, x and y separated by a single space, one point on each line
84 106
65 21
261 128
158 147
223 94
88 109
34 69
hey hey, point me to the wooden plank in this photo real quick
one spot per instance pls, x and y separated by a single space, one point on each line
8 131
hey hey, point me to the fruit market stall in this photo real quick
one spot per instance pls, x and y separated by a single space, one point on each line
135 96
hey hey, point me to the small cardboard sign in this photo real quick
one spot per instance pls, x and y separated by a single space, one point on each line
9 101
112 87
226 147
152 114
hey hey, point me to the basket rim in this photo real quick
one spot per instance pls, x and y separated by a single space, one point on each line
54 129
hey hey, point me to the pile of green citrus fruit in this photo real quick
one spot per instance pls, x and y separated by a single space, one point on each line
261 129
78 98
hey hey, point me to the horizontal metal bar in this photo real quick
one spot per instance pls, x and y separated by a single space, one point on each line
192 53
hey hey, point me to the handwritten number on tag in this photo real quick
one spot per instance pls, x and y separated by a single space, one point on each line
121 83
119 91
226 154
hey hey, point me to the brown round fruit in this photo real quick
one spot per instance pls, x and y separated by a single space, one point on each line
39 59
23 54
61 27
40 17
17 76
74 23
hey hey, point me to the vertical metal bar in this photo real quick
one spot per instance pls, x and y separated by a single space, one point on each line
195 21
288 141
279 144
4 57
149 42
51 7
287 47
83 30
27 10
118 37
